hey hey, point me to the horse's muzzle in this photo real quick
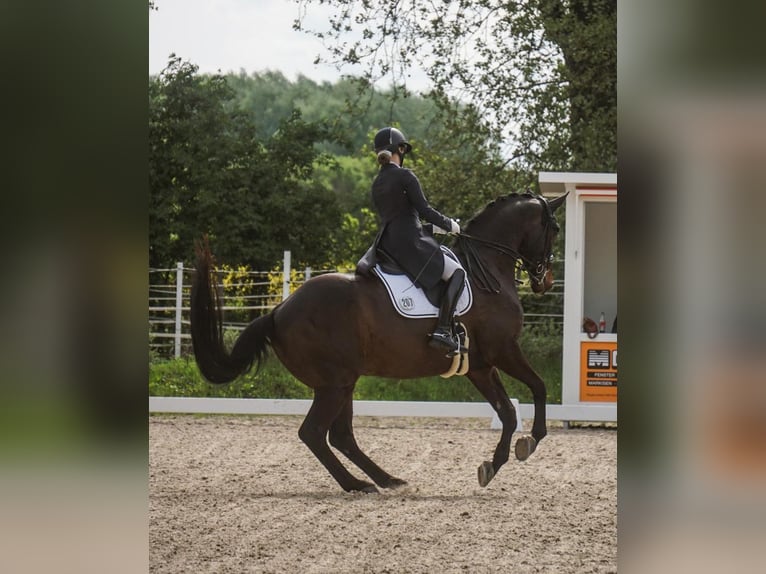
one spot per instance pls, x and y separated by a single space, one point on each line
544 284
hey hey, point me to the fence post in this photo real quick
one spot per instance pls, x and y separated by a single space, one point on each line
286 276
308 274
179 305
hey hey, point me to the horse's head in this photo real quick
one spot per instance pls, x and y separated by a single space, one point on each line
536 245
523 226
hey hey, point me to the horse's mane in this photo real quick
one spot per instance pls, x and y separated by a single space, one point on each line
496 204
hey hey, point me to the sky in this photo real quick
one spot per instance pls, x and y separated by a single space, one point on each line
230 35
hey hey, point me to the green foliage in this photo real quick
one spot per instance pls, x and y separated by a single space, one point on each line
349 177
350 108
181 378
192 142
210 173
460 170
238 283
541 73
543 346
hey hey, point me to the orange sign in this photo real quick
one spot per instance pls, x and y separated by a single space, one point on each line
598 371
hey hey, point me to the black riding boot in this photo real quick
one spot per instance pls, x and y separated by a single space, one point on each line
442 337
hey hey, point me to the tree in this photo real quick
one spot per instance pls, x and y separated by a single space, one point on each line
460 168
541 73
195 154
211 174
348 108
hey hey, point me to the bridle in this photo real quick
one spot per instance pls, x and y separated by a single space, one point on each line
544 264
536 269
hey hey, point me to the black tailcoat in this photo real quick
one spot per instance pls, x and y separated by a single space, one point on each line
400 203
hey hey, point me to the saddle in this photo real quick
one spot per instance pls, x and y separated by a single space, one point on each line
408 298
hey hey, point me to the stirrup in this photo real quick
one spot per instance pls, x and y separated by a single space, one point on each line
441 339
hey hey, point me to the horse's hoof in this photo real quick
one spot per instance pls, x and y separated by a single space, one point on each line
362 486
486 473
394 482
369 489
525 446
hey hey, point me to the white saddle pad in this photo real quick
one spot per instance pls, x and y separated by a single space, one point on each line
410 301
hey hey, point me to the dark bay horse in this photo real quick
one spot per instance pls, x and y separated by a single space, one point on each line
336 327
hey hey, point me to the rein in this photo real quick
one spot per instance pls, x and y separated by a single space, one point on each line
504 249
477 268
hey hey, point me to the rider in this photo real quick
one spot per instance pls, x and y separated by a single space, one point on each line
400 203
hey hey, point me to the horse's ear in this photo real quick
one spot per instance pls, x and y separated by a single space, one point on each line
556 203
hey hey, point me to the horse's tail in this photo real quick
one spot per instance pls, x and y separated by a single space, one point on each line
215 363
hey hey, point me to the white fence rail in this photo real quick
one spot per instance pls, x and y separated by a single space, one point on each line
591 413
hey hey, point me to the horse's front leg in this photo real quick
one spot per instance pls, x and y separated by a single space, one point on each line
488 382
515 364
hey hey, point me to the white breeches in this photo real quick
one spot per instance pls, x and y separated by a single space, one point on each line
450 266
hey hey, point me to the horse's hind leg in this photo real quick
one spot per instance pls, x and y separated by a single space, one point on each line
327 406
488 382
342 438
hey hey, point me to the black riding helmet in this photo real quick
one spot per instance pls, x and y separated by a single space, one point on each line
390 139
